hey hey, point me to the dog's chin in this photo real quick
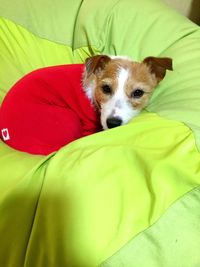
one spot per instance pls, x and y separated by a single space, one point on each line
104 124
105 128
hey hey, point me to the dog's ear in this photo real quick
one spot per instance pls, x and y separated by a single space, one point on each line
158 66
95 64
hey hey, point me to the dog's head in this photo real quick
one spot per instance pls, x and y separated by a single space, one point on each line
121 88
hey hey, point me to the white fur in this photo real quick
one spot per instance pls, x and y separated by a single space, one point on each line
120 57
89 90
118 106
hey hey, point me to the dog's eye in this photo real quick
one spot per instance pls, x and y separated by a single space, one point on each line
106 89
137 93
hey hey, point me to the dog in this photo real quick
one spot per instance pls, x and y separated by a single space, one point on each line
53 106
119 87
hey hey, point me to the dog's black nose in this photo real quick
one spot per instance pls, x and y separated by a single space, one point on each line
113 122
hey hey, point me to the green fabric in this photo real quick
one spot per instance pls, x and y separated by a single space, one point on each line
173 241
47 19
132 28
21 179
179 97
94 195
84 203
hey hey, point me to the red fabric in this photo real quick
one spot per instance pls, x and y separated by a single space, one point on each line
46 110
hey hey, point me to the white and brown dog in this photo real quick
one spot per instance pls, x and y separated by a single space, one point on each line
47 108
121 88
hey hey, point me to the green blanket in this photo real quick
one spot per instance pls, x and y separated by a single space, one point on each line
129 196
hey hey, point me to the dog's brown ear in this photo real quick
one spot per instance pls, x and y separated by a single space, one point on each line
96 63
158 66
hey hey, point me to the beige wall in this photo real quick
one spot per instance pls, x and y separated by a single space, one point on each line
189 8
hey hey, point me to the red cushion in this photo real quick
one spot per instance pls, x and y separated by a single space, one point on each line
46 110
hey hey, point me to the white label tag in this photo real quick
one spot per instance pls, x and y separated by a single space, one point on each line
5 134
